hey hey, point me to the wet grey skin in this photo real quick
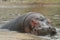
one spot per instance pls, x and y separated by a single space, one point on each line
44 27
23 21
42 30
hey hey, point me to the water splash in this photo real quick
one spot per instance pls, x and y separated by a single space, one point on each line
56 37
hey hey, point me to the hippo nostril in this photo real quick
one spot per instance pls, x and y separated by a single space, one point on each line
35 29
49 27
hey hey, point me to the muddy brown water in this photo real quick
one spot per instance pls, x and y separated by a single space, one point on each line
13 35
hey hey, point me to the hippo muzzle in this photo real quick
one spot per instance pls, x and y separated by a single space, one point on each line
44 28
44 31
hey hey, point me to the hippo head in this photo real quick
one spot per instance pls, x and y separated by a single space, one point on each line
42 26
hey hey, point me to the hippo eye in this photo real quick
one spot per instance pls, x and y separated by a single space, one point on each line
37 18
40 19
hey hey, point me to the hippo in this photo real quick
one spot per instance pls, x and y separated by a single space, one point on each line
32 22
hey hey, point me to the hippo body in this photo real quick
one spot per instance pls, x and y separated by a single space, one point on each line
31 22
17 24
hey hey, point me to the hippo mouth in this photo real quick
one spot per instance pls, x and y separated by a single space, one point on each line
42 32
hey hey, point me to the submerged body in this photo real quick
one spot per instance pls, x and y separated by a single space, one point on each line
32 22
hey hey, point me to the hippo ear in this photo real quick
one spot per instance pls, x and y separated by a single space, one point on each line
34 23
49 21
